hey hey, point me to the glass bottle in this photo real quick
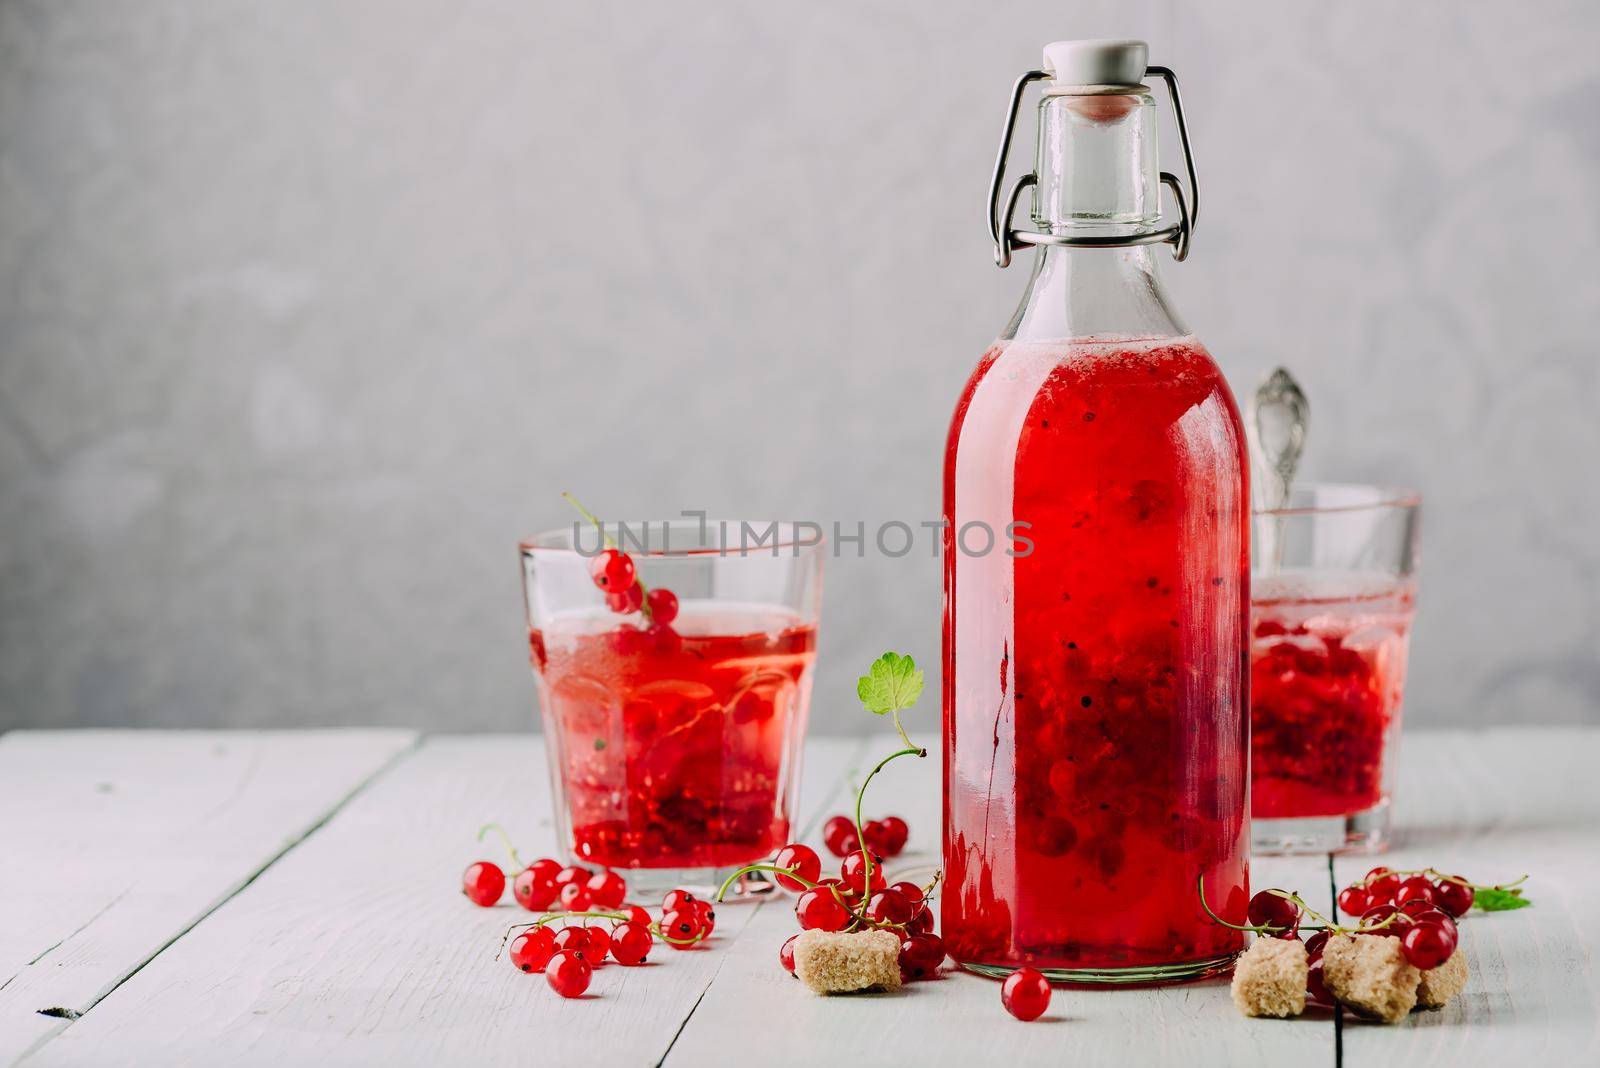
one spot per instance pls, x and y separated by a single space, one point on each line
1095 703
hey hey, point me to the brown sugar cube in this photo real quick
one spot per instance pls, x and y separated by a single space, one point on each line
1270 979
838 963
1440 984
1370 974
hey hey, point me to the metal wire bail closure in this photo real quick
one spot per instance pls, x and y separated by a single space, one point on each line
1006 239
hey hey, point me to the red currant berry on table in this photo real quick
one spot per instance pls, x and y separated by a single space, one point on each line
663 605
920 957
1381 888
820 910
681 930
532 950
533 891
574 897
1416 888
637 914
1427 945
1417 907
1025 994
1316 989
896 833
1268 909
706 917
612 571
607 890
805 862
839 835
546 869
573 940
889 907
875 838
786 954
568 974
1440 917
1315 944
1354 901
572 873
910 891
922 922
677 901
598 945
1454 898
483 883
853 873
625 601
1376 915
630 943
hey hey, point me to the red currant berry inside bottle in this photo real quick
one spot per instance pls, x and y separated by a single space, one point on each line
483 883
1025 994
625 601
568 974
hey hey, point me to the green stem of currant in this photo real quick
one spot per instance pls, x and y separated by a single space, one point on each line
1273 930
861 838
1434 873
792 873
558 916
610 543
504 837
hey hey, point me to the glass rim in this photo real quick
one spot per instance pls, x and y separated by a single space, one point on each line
542 542
1385 496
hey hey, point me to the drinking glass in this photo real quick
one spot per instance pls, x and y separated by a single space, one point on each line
1333 578
675 747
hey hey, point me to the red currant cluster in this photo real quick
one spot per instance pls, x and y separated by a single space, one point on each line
569 955
860 898
613 571
885 837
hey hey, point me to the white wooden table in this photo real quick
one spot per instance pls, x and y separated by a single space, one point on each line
290 898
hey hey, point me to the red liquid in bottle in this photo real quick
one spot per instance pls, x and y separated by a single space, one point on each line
677 751
1095 690
1327 669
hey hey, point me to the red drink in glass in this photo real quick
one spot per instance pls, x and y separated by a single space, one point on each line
675 749
1095 724
1327 671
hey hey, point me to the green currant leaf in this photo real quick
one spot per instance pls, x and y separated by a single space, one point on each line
1493 900
891 684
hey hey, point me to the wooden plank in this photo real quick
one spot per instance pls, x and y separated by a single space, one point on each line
1492 805
356 949
115 842
959 1019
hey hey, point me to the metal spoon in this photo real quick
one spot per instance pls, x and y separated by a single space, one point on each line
1276 424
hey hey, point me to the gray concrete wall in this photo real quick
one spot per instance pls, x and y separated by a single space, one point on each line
308 310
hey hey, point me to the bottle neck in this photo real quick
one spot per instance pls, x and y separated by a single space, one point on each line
1097 173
